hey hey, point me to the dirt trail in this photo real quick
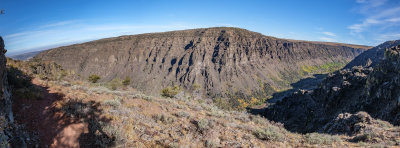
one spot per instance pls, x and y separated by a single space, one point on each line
52 126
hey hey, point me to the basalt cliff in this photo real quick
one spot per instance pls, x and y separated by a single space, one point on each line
223 61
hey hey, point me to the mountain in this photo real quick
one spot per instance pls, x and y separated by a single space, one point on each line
373 90
223 61
25 56
373 55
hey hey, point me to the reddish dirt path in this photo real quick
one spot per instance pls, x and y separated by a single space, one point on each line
52 126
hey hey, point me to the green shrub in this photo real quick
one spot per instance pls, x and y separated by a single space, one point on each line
315 138
182 114
166 119
21 84
31 92
270 133
60 74
210 143
114 84
93 78
170 91
202 124
196 86
223 103
257 119
17 78
127 81
234 103
323 68
365 137
113 103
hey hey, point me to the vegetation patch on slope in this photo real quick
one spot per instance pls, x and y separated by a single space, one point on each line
324 68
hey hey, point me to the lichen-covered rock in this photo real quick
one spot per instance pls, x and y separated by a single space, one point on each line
6 116
11 134
349 124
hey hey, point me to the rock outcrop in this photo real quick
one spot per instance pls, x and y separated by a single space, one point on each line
6 115
375 90
352 124
8 129
372 56
362 127
223 61
11 134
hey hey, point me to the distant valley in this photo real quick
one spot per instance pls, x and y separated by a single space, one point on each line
25 56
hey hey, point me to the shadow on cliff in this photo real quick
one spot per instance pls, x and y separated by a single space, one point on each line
306 83
47 115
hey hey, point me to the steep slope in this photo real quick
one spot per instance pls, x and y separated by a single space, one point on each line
374 90
373 55
223 61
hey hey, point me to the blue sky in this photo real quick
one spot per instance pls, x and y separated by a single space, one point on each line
31 25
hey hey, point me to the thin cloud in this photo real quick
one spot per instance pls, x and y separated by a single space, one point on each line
365 24
388 36
361 1
16 34
381 17
367 5
329 33
67 31
381 20
327 39
393 20
62 23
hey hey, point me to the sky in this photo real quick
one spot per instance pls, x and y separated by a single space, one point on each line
29 25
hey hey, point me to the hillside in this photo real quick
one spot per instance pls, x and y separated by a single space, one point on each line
223 62
334 107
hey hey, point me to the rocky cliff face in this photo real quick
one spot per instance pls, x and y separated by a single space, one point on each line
6 115
375 90
223 61
11 134
373 55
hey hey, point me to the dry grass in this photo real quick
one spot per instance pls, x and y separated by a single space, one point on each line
169 122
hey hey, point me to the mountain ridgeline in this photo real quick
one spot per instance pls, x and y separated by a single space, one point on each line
223 61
